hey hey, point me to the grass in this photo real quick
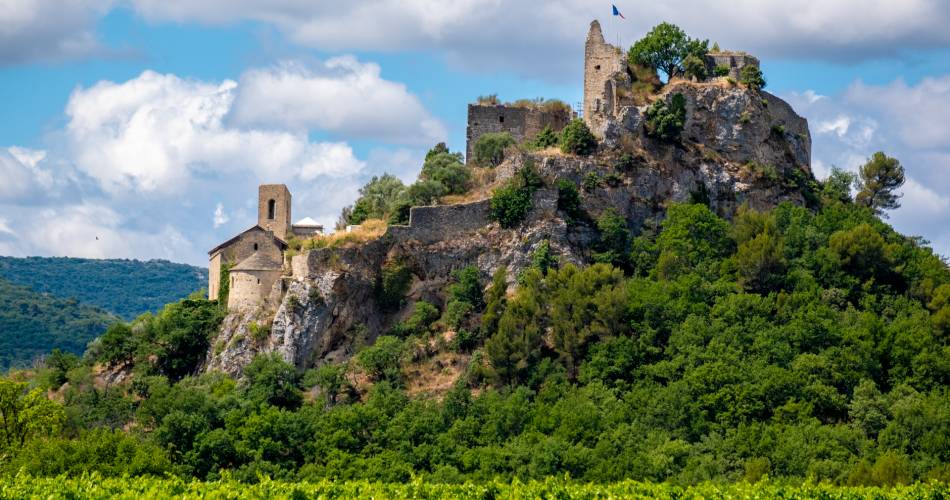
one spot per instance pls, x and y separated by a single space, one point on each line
369 230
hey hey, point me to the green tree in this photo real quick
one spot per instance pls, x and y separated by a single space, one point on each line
25 414
271 380
577 139
496 300
693 239
665 48
614 243
467 287
569 200
377 199
118 345
751 76
511 203
665 120
448 170
837 187
694 67
515 348
545 139
383 359
878 179
489 149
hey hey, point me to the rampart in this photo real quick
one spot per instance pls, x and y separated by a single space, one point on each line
432 224
522 123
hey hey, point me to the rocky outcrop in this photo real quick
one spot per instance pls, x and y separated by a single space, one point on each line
738 146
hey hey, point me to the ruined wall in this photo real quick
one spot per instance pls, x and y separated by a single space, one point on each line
521 123
431 224
735 61
602 62
250 288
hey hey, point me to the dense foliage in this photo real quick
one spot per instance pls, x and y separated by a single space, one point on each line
96 486
489 149
125 288
576 138
511 202
751 76
793 344
665 48
32 324
387 198
665 120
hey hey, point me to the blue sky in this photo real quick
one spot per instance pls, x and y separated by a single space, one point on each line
149 123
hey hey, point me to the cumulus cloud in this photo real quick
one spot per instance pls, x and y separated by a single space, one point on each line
905 121
49 30
140 165
542 38
343 96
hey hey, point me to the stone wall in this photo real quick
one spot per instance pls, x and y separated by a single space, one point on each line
735 61
241 248
602 63
521 123
432 224
250 288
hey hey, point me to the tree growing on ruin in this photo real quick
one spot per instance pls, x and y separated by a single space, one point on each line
665 48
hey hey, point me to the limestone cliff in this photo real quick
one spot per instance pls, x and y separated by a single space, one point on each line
737 146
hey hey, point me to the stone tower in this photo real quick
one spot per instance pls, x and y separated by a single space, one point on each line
273 209
601 62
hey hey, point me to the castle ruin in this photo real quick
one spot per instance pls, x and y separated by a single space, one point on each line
522 122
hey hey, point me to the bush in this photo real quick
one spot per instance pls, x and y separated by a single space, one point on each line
511 203
489 149
545 139
271 380
447 169
383 359
751 76
569 200
694 66
420 321
577 139
394 282
721 70
666 120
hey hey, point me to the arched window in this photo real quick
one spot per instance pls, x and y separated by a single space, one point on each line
271 209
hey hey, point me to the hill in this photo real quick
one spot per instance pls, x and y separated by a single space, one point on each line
33 323
126 288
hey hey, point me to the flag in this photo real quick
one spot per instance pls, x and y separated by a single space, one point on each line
617 12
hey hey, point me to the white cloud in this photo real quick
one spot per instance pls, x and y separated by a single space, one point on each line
905 121
544 38
23 179
156 133
220 217
342 96
48 30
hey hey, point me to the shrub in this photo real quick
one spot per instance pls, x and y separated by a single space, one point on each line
626 163
721 70
577 139
666 120
614 244
467 287
420 321
259 332
568 200
511 203
592 181
394 282
694 66
382 360
751 76
489 149
545 139
269 379
447 169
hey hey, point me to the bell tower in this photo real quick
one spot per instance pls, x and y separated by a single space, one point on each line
273 209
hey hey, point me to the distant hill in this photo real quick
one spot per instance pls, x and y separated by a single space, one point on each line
33 323
126 288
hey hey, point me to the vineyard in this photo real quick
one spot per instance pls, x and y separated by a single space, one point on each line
93 487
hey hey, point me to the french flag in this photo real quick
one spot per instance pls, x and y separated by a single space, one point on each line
617 12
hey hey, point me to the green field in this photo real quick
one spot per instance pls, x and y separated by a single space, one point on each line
94 486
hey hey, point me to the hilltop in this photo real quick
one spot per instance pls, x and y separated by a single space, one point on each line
123 287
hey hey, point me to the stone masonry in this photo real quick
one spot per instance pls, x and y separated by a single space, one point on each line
735 61
273 209
521 122
602 63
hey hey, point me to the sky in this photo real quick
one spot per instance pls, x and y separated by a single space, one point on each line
141 128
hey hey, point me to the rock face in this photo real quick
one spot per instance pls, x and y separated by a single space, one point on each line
737 146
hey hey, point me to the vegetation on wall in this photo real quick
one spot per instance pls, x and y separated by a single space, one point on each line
511 202
489 149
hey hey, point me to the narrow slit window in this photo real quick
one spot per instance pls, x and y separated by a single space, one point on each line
271 209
